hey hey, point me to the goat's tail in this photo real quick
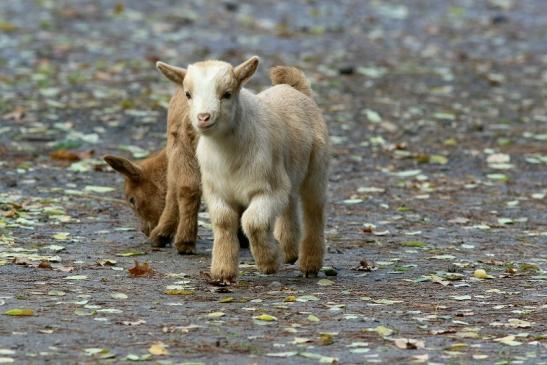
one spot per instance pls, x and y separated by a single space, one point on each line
292 77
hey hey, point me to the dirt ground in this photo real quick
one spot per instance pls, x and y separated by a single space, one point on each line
437 220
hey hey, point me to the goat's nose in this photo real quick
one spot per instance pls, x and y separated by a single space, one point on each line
204 117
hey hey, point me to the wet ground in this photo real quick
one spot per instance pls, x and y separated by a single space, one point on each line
437 225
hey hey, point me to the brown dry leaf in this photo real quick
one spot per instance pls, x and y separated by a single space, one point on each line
44 265
143 269
64 155
16 114
409 343
364 265
158 348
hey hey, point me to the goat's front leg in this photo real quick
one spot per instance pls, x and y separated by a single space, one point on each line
257 222
225 221
187 229
164 231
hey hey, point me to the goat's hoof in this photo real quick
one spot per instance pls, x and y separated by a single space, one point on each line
269 267
310 266
158 240
186 247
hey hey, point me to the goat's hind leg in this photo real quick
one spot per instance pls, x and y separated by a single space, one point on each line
287 230
313 192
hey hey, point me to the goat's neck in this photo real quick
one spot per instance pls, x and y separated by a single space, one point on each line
244 125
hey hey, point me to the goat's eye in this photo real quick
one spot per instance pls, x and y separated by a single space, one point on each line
188 95
132 201
227 95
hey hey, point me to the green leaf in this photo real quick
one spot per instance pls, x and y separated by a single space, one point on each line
325 282
178 292
413 244
19 312
382 331
313 318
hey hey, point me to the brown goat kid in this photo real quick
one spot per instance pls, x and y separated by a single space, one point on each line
146 181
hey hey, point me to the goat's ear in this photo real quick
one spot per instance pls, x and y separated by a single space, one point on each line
173 73
244 71
124 167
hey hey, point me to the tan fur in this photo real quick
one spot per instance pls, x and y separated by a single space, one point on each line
147 180
179 218
145 186
261 155
292 77
166 187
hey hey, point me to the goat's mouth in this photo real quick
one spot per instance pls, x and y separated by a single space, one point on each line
206 127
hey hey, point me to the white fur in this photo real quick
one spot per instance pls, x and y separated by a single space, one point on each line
265 153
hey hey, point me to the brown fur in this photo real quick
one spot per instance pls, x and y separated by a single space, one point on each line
179 218
165 186
144 179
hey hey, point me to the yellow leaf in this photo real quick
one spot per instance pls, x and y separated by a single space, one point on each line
158 348
325 339
290 298
265 317
508 340
226 300
313 318
481 274
382 331
19 312
178 292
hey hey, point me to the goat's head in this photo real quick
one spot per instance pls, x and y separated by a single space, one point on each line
143 193
212 89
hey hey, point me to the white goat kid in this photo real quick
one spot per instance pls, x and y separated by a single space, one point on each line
261 157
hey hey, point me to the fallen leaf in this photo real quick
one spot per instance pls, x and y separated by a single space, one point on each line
364 265
98 189
282 354
508 340
216 315
64 155
143 269
131 253
481 274
325 282
313 318
118 296
265 317
76 277
461 297
409 343
382 331
158 349
290 298
326 339
178 292
19 312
